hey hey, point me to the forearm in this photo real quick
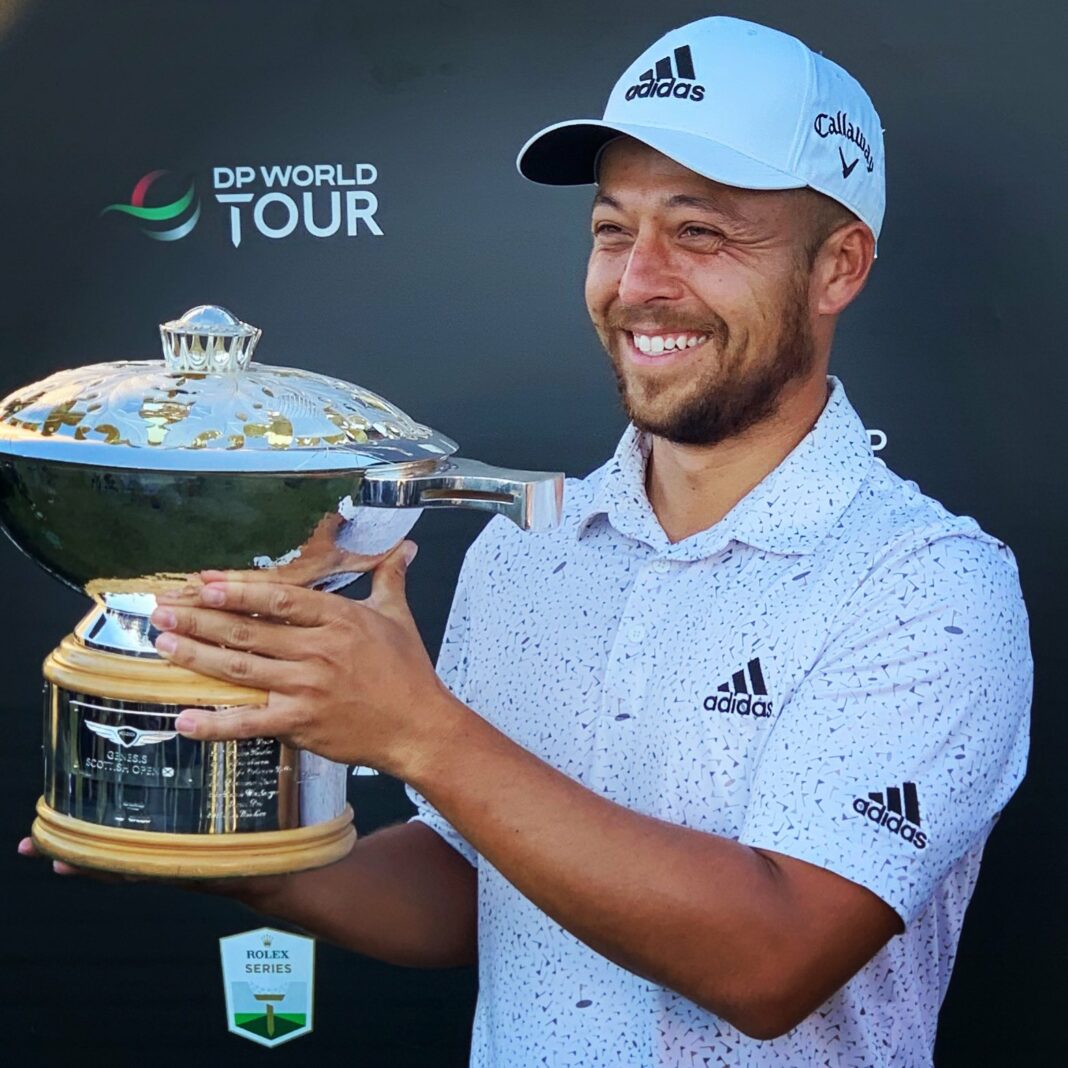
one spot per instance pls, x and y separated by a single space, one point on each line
703 915
402 895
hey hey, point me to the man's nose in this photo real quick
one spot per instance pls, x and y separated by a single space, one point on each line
648 273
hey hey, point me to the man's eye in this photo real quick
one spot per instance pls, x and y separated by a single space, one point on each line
605 229
700 231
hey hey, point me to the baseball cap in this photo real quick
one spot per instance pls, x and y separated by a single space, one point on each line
739 103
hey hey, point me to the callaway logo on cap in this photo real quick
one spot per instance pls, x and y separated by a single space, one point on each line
738 103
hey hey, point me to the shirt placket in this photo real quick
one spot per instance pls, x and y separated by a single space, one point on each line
622 733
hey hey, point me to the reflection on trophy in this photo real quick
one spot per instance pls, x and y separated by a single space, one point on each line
123 479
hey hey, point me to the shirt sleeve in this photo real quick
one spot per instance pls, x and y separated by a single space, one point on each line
896 752
452 669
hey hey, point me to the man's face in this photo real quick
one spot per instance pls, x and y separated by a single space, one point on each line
699 293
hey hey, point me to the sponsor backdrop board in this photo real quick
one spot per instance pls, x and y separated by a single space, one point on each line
342 175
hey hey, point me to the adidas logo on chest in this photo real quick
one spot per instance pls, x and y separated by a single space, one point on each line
746 694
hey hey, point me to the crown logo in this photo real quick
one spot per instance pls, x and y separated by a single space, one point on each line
266 939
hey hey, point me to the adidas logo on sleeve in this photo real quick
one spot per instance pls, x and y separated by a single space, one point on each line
890 813
667 80
745 695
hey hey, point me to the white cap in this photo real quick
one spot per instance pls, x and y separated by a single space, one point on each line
741 104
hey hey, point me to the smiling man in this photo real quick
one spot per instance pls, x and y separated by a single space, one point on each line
704 776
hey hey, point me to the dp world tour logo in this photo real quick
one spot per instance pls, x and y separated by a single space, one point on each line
170 221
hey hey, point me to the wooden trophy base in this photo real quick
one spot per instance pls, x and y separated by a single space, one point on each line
191 856
125 793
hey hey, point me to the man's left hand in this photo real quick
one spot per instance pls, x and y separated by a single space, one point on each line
349 680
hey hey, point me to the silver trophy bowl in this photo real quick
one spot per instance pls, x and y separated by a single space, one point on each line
123 479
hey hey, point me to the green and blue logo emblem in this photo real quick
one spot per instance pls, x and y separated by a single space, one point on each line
169 222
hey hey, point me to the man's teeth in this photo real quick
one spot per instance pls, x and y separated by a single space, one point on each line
656 344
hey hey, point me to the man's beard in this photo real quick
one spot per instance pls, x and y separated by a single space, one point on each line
734 396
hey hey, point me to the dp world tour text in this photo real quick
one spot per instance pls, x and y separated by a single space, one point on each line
320 197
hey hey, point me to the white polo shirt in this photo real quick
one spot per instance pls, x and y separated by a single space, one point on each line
838 670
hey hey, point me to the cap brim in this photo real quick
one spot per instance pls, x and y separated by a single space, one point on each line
566 154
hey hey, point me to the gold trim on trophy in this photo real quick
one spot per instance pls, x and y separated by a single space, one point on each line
127 678
191 856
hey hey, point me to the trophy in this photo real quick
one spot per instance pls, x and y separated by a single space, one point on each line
123 479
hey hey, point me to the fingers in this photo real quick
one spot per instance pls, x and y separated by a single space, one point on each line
233 631
271 600
233 665
28 848
388 583
225 724
258 575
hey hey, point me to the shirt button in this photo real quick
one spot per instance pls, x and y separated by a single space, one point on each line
660 566
635 632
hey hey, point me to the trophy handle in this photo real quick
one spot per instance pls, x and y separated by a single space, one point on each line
533 500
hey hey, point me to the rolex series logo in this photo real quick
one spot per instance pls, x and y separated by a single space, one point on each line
667 78
268 980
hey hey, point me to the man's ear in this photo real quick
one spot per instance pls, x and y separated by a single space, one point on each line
841 267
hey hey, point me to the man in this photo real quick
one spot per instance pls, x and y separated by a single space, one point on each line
706 774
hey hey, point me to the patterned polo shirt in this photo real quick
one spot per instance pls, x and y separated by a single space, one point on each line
838 670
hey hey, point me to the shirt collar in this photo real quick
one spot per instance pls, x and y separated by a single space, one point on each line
791 511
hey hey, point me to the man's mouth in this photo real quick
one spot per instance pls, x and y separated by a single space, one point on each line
663 345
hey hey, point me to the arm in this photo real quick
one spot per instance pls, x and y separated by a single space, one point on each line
402 895
756 937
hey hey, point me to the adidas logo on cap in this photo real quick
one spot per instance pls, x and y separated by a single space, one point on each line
664 80
888 812
742 696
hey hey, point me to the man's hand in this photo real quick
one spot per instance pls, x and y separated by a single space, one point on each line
27 848
349 680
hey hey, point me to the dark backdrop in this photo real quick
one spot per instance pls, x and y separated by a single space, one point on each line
467 311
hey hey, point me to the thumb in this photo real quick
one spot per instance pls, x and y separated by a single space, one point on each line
387 581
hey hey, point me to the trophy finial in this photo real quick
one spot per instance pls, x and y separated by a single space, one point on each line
208 339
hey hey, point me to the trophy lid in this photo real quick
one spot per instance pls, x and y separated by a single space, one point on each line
207 407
